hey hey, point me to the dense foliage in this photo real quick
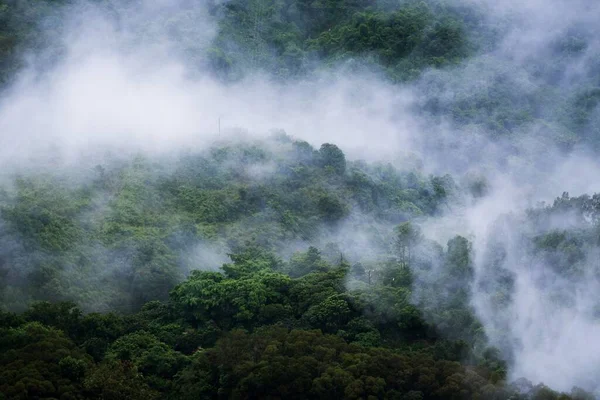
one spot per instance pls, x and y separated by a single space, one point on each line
322 319
272 269
249 331
129 231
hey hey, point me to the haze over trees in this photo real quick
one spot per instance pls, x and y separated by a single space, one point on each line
246 265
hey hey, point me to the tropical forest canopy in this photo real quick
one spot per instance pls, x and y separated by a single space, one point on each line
275 268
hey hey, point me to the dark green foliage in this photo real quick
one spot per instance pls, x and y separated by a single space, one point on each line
275 362
405 41
288 37
22 29
118 381
285 38
157 361
40 362
250 330
64 316
332 157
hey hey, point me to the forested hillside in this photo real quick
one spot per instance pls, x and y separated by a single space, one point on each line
385 313
245 265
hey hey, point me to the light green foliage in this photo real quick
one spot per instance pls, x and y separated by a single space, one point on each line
126 237
43 211
236 298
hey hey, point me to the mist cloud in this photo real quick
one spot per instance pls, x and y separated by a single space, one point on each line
125 89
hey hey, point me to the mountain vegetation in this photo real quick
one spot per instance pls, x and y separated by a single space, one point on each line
272 269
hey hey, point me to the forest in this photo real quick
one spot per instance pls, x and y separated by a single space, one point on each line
273 267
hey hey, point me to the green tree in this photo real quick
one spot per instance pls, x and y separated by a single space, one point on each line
331 156
116 380
40 362
407 238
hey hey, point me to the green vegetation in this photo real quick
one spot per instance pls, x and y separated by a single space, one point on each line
286 38
322 321
272 269
132 226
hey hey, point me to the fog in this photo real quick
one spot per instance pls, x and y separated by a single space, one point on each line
122 88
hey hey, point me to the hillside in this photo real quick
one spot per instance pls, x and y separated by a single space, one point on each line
300 199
